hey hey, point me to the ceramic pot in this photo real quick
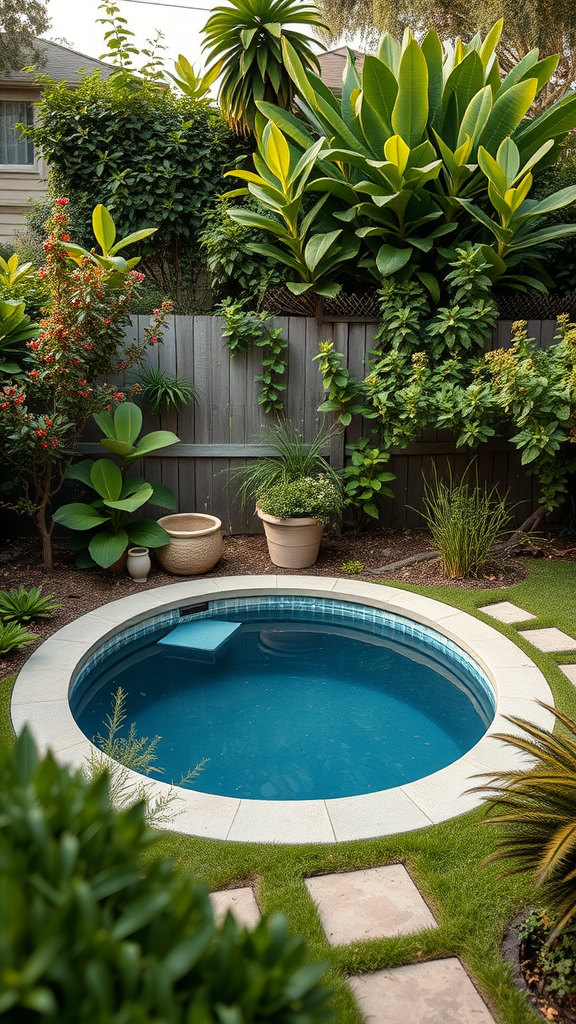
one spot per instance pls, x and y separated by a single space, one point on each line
195 543
292 543
138 564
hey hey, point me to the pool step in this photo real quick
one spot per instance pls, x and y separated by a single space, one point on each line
199 640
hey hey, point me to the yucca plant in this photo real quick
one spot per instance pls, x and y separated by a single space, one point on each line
245 39
166 392
21 605
286 457
13 637
535 811
464 520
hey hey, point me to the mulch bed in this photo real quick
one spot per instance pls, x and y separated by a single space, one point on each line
80 591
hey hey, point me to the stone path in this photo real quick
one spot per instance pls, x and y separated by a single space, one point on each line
505 611
570 672
549 640
240 901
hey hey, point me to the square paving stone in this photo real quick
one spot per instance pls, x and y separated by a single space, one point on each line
505 611
240 901
436 992
570 672
374 903
549 640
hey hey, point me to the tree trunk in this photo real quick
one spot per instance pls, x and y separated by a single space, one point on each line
46 536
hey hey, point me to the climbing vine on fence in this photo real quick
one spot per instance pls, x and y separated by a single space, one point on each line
428 369
245 329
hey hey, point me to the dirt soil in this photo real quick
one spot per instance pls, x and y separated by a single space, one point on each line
80 591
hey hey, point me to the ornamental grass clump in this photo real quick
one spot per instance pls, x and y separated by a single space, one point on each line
21 605
308 498
464 521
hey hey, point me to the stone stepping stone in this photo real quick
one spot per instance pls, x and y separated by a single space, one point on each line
570 672
374 903
505 611
549 640
436 992
240 901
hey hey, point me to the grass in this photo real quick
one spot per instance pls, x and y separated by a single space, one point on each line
471 904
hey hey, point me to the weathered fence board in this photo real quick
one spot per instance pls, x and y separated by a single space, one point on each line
221 430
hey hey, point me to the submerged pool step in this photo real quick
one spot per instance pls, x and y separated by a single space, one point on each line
200 640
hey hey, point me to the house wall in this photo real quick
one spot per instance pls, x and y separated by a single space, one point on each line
18 186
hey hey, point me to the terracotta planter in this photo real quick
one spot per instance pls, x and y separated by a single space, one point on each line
195 543
120 564
292 543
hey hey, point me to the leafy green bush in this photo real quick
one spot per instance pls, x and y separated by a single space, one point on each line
534 810
21 605
150 156
13 637
464 520
553 964
89 935
236 271
366 480
308 497
16 328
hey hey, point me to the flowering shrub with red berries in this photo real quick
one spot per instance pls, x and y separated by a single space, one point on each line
81 345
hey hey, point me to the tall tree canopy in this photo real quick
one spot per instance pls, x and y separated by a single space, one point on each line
548 24
20 22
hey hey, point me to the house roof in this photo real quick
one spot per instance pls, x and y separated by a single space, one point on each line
332 64
61 64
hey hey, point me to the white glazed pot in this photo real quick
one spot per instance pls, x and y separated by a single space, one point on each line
292 543
195 543
138 564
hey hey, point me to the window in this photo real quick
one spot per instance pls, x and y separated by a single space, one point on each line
15 148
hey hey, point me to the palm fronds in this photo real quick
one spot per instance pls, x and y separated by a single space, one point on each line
535 808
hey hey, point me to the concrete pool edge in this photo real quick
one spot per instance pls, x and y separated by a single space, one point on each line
40 700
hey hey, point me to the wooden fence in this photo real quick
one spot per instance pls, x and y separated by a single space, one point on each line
220 431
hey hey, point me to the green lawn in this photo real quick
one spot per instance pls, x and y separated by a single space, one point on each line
471 904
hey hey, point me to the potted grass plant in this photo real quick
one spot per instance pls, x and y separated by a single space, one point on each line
296 492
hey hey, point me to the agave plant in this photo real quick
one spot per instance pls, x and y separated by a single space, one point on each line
407 149
535 809
245 39
104 527
16 328
21 605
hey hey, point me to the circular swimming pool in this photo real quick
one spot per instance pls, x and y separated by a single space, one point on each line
292 698
446 672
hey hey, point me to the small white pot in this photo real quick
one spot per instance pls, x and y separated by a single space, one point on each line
138 564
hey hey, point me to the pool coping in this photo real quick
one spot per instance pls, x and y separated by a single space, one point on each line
40 700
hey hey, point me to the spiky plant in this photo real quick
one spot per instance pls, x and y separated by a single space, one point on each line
166 392
13 637
286 457
21 605
535 809
246 38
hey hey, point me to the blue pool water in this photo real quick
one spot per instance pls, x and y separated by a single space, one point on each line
295 707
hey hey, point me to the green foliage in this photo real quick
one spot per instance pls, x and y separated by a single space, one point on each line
13 637
406 158
245 329
138 753
121 49
308 497
16 329
90 934
352 568
288 458
104 230
247 41
105 525
343 390
236 271
165 392
195 86
21 22
280 186
149 156
21 605
555 962
365 480
464 520
535 811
